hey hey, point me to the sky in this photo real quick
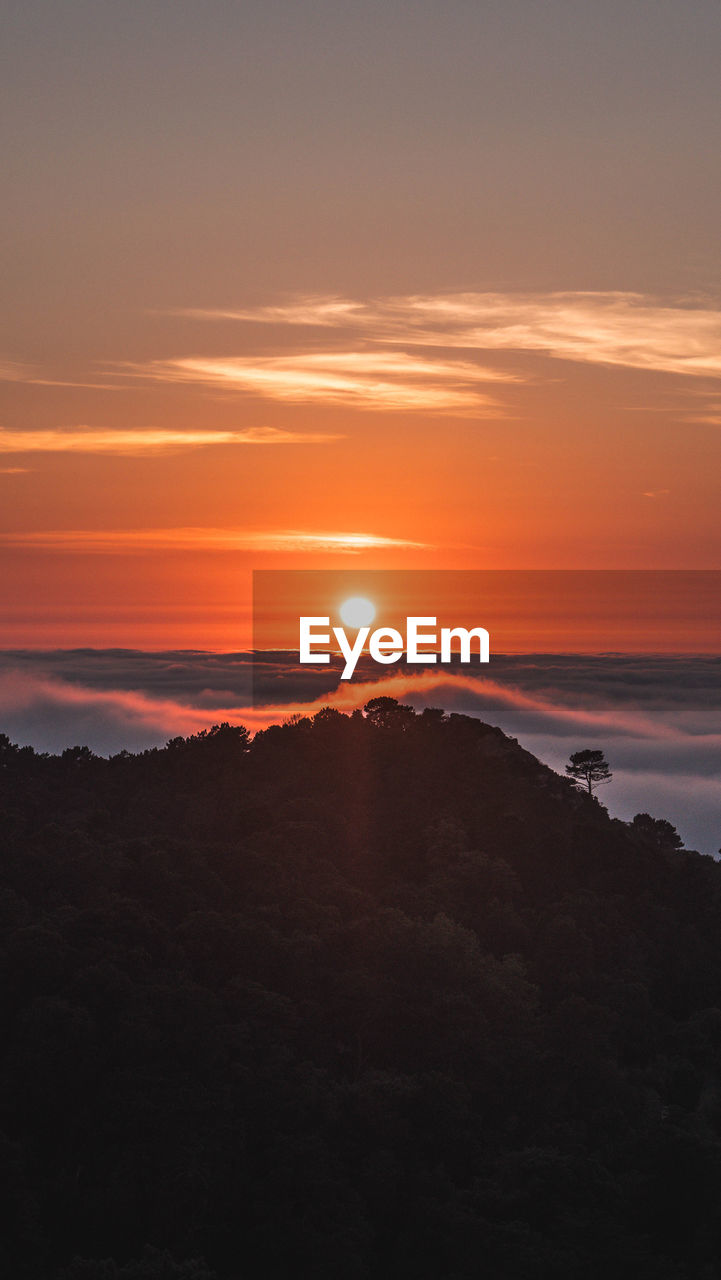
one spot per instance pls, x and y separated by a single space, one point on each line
542 611
391 285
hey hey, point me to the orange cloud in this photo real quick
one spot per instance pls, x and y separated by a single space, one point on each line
17 371
314 309
138 441
201 539
614 328
378 379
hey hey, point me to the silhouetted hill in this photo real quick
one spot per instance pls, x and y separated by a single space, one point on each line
367 997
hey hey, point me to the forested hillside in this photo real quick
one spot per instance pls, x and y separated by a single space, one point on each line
366 997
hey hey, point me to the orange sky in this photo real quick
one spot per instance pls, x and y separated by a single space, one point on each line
305 291
541 611
120 535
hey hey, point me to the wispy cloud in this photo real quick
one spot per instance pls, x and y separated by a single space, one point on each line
426 352
202 539
375 379
19 371
314 309
137 441
612 328
15 371
624 329
709 410
14 471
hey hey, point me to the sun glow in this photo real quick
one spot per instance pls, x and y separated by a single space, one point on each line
357 611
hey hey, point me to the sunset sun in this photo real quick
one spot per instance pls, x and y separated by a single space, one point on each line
357 611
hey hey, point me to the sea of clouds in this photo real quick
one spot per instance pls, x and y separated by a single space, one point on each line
656 717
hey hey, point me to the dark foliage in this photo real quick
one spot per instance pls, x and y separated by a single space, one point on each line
589 769
363 998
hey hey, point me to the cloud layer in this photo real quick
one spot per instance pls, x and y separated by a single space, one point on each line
656 718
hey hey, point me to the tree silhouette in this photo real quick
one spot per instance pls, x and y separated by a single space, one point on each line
360 996
657 831
388 713
589 768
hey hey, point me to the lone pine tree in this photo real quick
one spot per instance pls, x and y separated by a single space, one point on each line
589 768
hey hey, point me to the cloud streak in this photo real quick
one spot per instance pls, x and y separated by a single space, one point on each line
101 541
140 441
438 353
376 379
17 371
623 329
629 330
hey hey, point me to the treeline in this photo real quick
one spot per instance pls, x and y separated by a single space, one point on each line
366 997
